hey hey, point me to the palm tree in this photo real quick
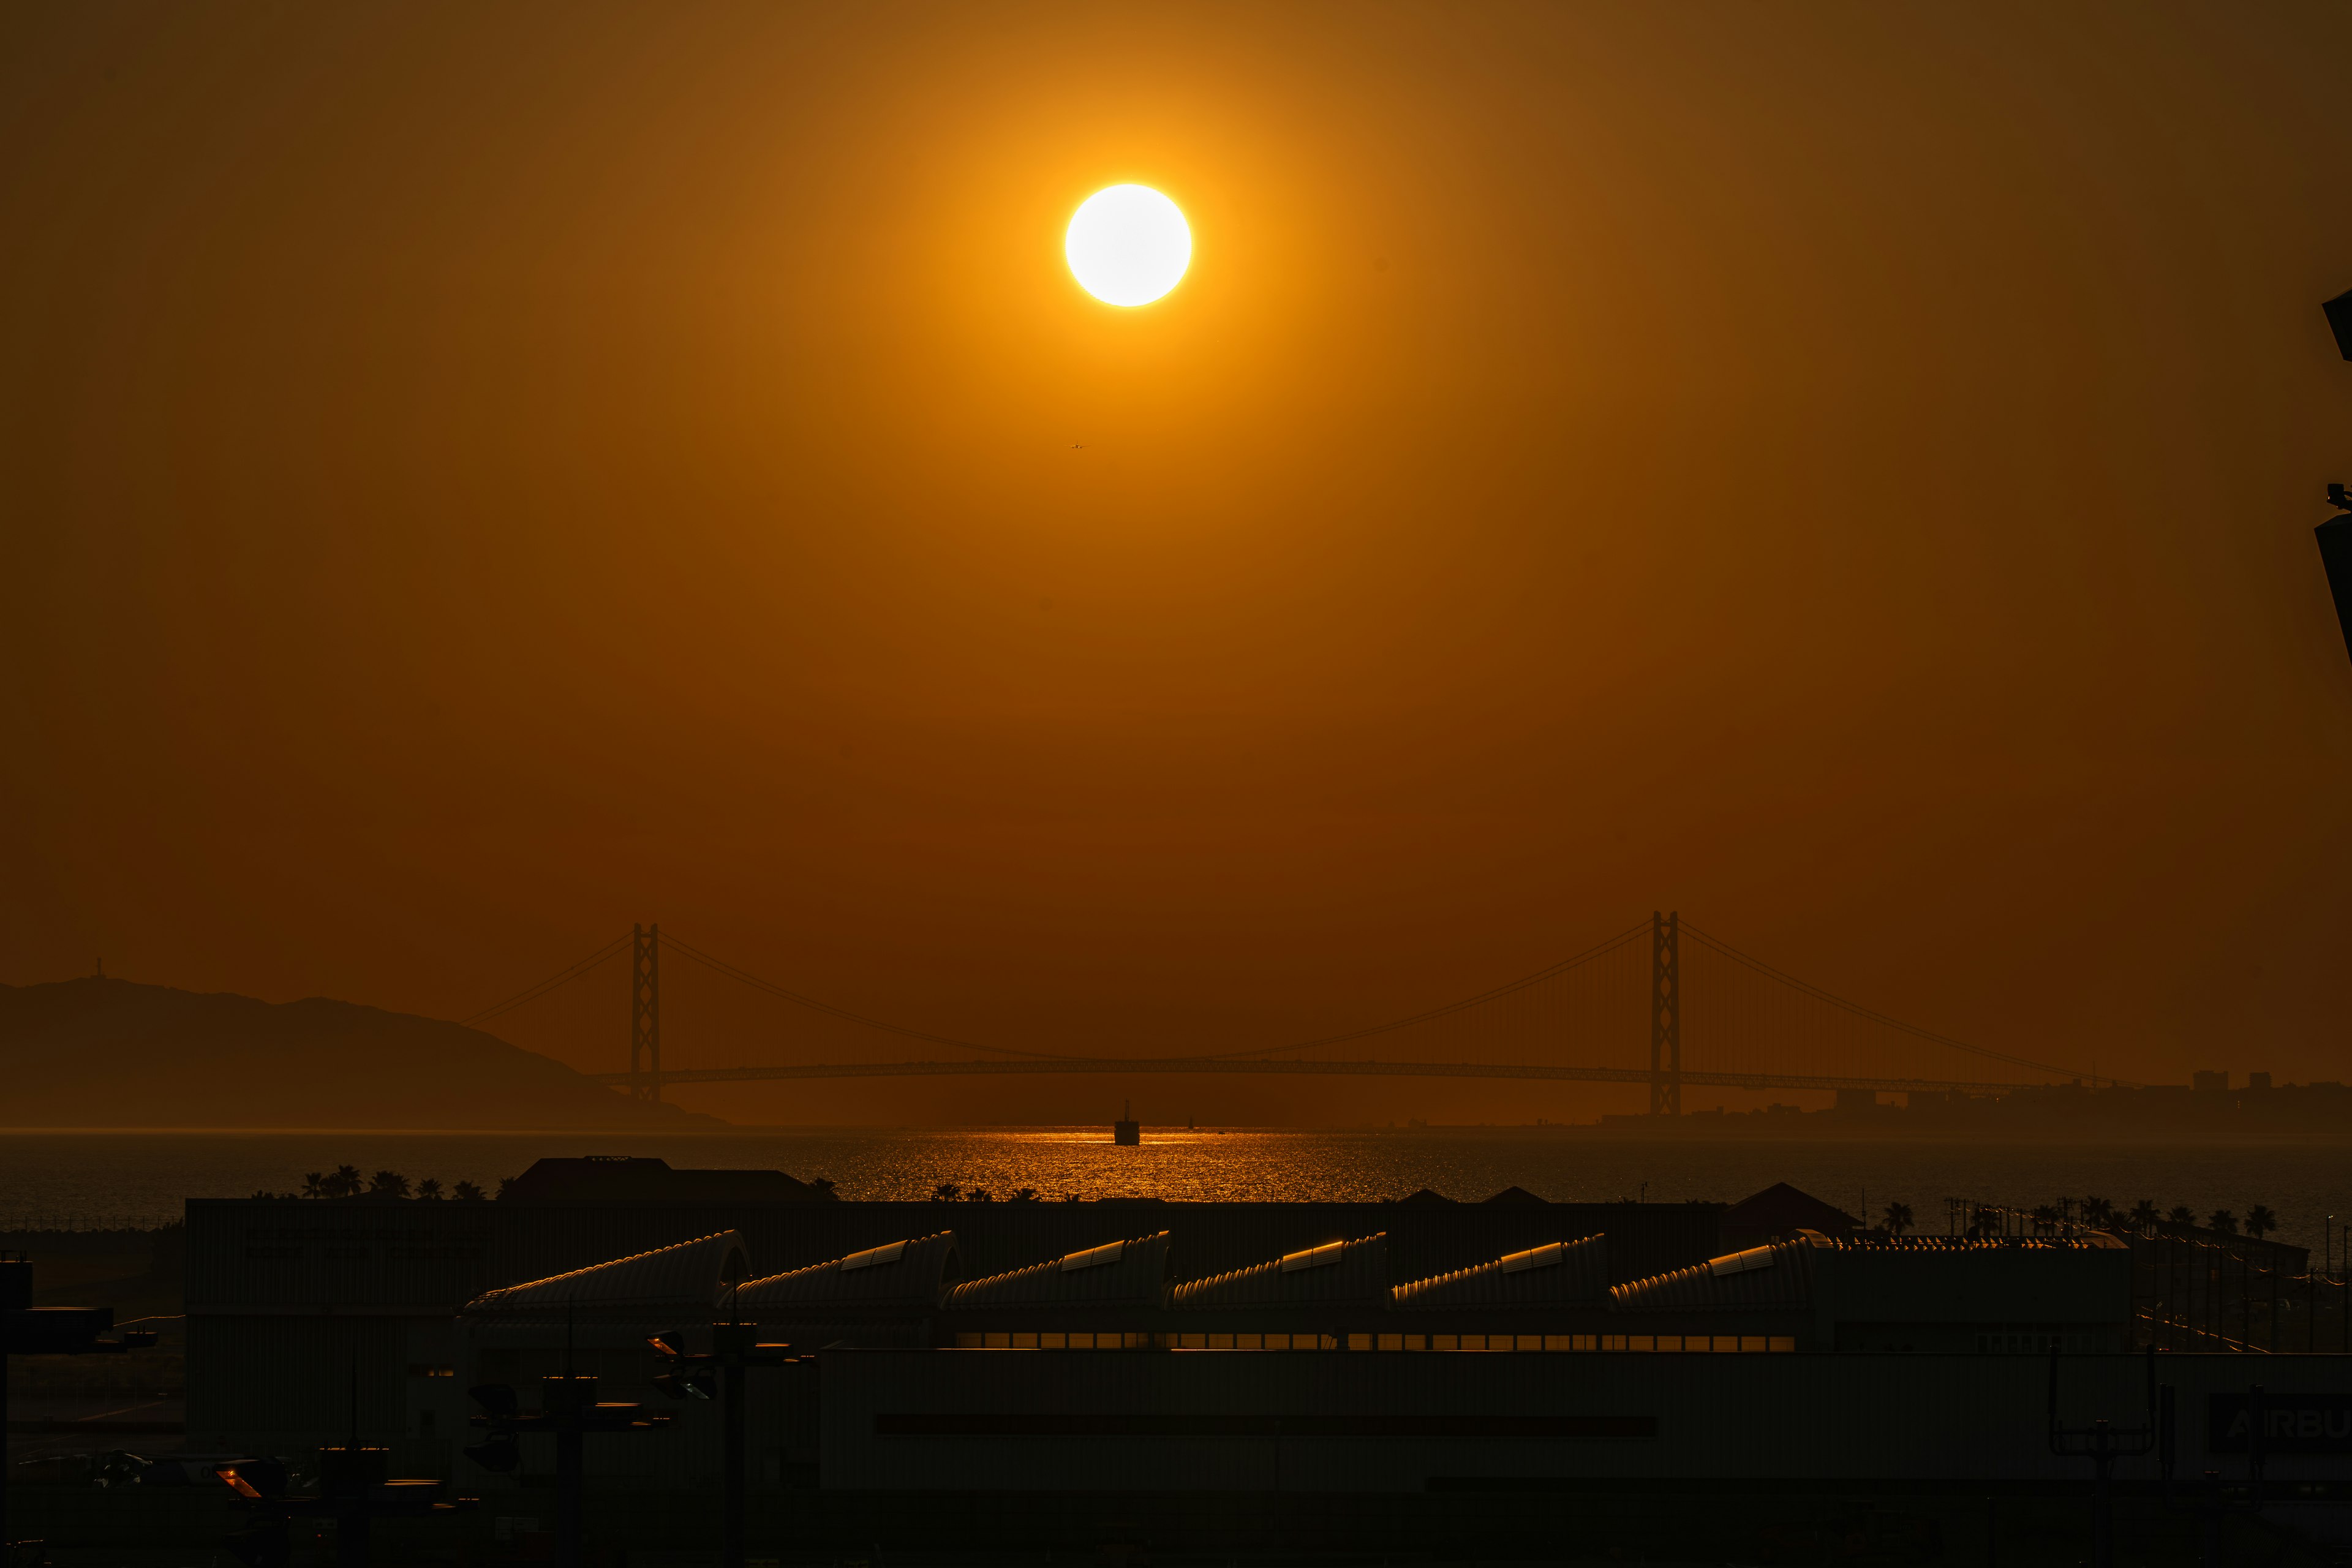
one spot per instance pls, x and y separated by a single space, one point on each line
2144 1215
1896 1219
2260 1222
387 1184
1986 1222
946 1192
430 1187
2181 1214
344 1182
505 1185
2223 1221
1023 1195
313 1184
2098 1214
977 1195
467 1192
2046 1219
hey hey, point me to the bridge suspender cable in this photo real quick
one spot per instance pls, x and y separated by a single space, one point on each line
561 978
746 978
1563 967
1859 1011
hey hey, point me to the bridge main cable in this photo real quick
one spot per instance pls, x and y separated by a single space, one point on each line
1285 1058
745 977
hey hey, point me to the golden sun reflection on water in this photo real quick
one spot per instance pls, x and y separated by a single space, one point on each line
86 1179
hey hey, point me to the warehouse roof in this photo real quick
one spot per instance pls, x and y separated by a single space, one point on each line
1781 1275
904 1274
692 1276
1873 1241
1133 1272
1772 1278
1336 1271
1556 1271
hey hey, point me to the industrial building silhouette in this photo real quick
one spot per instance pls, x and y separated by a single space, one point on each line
1125 1357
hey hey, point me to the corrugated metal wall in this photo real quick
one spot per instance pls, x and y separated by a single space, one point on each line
279 1292
248 1256
1731 1417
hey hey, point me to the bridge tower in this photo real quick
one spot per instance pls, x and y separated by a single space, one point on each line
1666 1014
645 1011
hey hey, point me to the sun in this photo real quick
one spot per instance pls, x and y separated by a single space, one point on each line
1128 245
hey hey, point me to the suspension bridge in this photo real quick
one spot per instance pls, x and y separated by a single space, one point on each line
1617 1012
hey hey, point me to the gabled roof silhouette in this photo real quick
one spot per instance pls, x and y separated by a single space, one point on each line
1774 1278
1559 1271
1133 1273
1781 1208
691 1276
1424 1198
1516 1197
1337 1271
902 1274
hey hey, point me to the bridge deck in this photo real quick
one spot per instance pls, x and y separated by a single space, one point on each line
1019 1066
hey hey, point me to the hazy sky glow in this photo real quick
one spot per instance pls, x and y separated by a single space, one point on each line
482 476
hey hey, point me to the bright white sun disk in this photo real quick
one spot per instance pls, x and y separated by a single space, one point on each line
1128 245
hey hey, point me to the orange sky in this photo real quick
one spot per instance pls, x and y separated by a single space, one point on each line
477 477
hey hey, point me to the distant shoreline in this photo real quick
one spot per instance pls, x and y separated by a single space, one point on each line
186 1132
1669 1136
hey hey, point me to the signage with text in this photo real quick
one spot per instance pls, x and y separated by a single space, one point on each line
2292 1423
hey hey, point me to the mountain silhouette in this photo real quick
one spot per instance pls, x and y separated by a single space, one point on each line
101 1052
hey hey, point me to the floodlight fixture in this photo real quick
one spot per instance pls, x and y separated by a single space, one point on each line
495 1397
694 1382
735 1348
498 1452
2335 535
2335 538
568 1411
2340 322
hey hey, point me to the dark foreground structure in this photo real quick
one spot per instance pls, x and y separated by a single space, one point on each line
1549 1380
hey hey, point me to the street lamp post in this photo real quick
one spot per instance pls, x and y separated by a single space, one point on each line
734 1346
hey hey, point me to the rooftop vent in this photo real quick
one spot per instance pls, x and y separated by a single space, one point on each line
1092 1257
1322 1256
873 1256
1741 1262
1544 1257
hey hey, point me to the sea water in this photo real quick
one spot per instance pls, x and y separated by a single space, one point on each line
83 1180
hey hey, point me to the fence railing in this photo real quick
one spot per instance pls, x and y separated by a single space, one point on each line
2194 1290
2188 1293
